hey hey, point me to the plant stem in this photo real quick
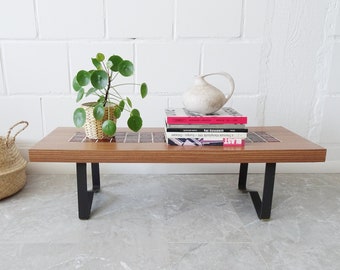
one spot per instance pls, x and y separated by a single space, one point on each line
117 93
122 84
107 91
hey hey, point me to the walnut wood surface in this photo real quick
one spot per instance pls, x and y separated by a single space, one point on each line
56 147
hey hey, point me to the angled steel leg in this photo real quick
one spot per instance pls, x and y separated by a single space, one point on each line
242 177
95 177
262 207
85 197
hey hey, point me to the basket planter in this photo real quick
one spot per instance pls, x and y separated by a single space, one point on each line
12 164
93 127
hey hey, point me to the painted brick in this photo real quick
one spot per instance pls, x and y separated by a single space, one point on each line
334 79
337 28
175 101
255 15
330 129
32 67
168 67
2 84
140 19
17 19
249 106
208 18
240 60
21 108
290 108
71 18
58 112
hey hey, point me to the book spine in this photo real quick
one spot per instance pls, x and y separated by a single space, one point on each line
194 142
203 142
207 130
206 120
208 135
205 126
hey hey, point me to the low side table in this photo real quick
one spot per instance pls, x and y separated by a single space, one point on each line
268 145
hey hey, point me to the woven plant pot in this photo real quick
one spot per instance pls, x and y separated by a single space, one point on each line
93 127
12 164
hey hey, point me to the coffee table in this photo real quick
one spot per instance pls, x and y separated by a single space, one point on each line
268 145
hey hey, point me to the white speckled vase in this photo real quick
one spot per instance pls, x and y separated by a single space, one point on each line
205 98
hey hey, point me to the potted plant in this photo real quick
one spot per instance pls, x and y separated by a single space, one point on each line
99 117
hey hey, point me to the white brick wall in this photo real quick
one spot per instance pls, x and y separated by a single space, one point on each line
169 67
283 55
334 78
209 18
337 26
69 19
240 59
33 67
254 18
140 19
17 108
2 87
17 19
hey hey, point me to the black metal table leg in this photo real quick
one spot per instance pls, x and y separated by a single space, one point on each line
95 177
242 177
263 207
85 197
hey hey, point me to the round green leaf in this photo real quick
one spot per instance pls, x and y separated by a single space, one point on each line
101 99
143 90
135 123
100 57
96 63
117 112
99 111
79 117
109 127
75 84
129 102
135 112
90 91
83 77
99 79
126 68
115 60
80 94
121 105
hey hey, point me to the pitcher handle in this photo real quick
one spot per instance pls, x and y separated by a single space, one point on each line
229 78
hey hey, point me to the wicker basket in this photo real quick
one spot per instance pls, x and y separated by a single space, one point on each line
12 164
93 127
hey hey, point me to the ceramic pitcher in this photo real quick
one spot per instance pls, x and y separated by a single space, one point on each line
205 98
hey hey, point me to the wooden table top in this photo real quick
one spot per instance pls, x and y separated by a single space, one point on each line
61 145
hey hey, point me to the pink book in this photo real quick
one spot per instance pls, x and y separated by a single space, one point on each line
225 115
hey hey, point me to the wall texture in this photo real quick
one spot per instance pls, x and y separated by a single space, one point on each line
283 54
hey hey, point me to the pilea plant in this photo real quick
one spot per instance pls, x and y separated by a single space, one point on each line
100 82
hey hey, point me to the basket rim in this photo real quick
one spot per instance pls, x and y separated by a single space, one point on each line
14 168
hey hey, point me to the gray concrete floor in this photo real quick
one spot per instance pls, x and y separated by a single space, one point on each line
172 222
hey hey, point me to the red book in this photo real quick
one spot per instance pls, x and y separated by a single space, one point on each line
225 115
233 142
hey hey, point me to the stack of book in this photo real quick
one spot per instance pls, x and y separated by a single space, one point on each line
225 127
